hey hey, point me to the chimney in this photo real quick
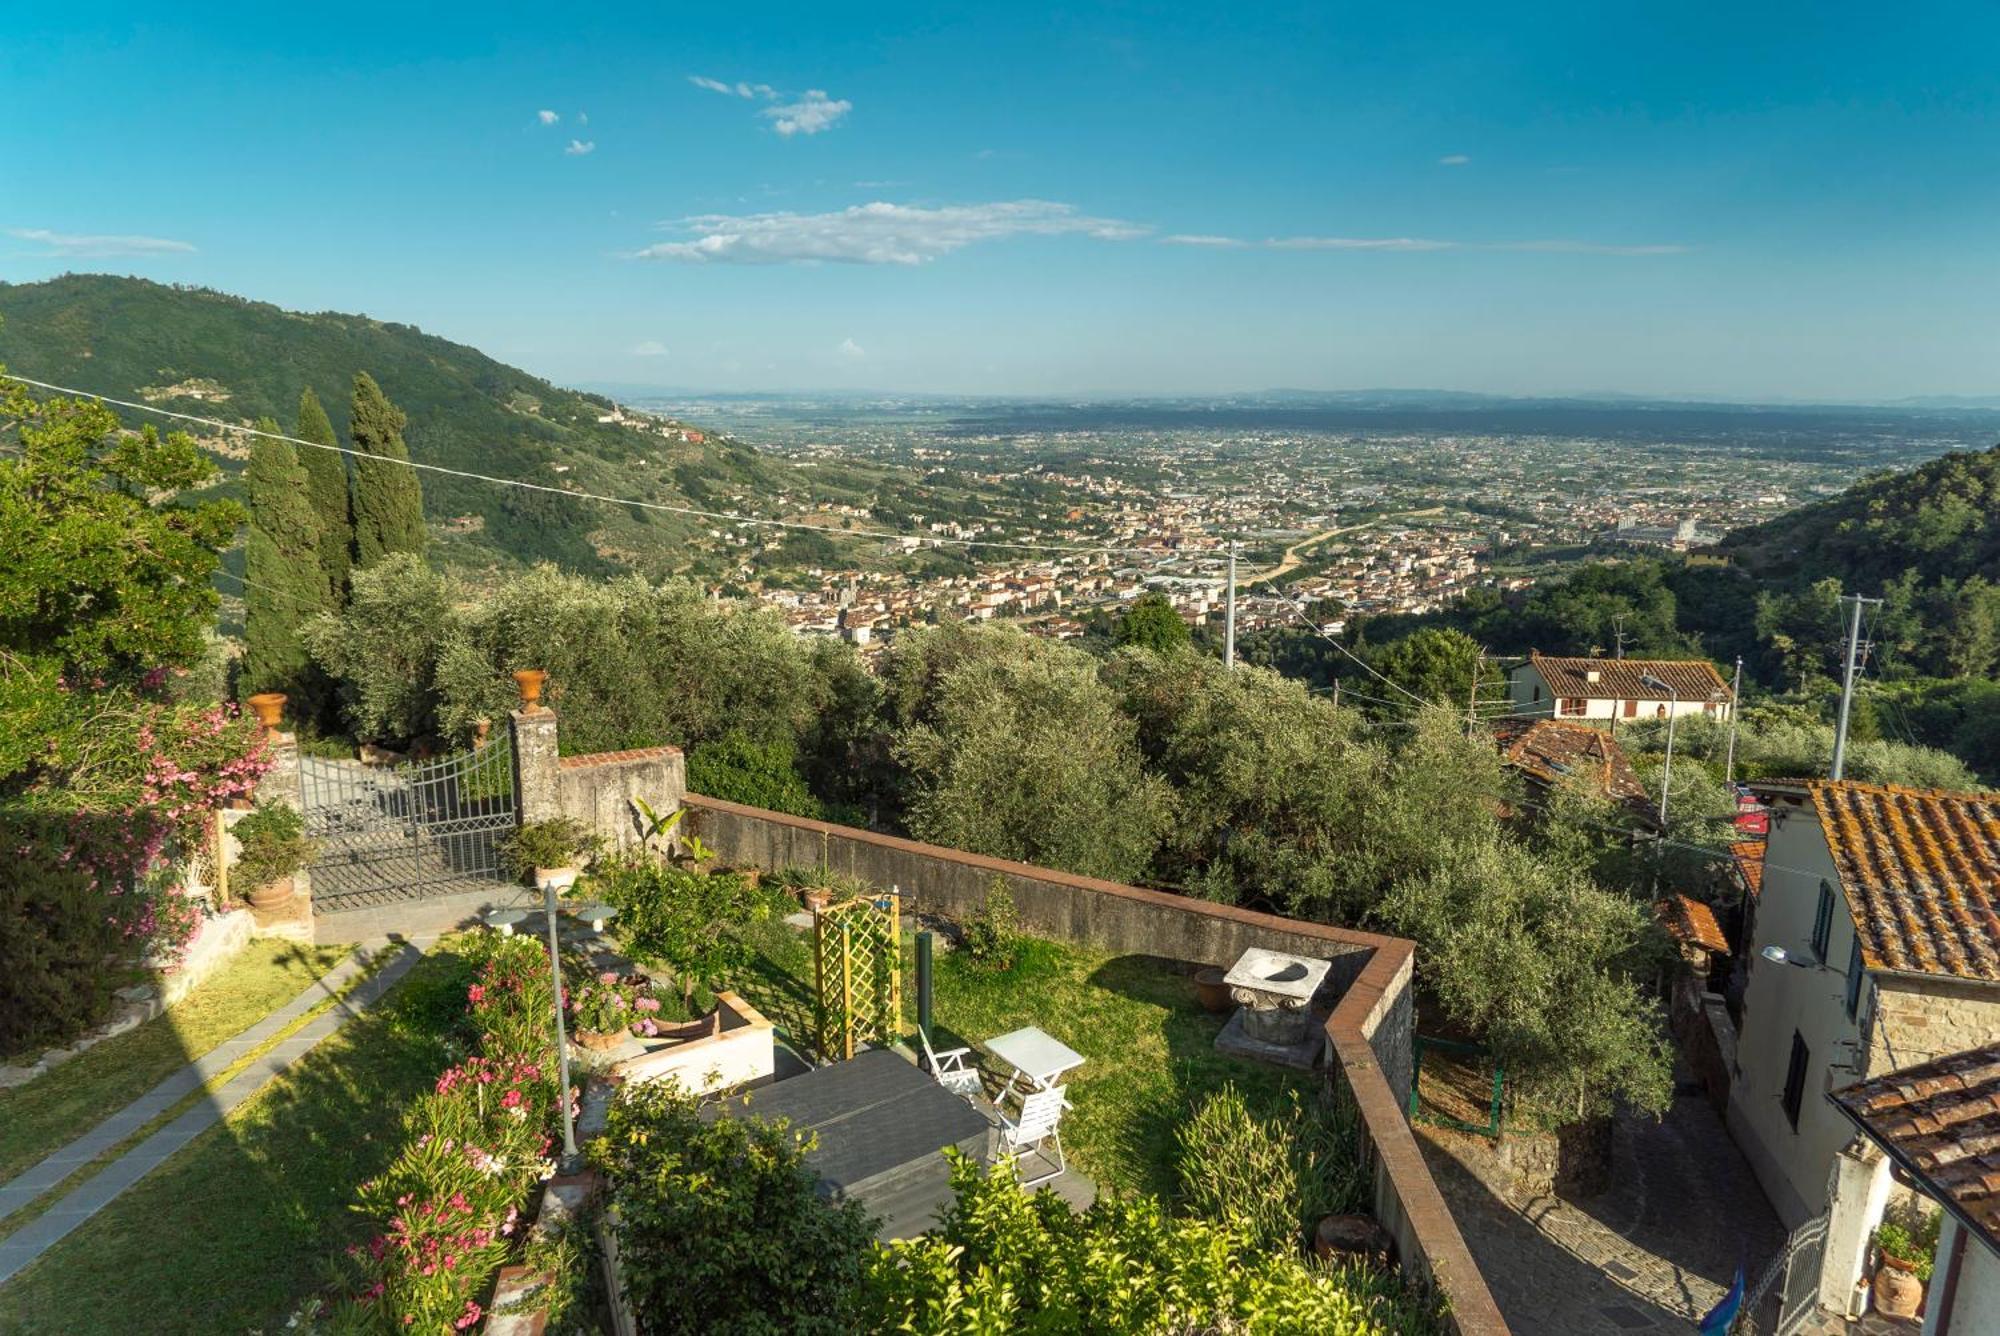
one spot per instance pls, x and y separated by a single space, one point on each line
1591 675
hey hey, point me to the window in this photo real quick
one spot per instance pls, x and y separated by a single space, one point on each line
1854 976
1631 709
1795 1079
1538 693
1571 705
1822 923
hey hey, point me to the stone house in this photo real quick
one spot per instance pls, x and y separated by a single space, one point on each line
1938 1125
1609 690
1874 945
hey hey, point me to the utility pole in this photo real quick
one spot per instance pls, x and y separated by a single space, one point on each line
1336 693
1618 630
1229 614
1847 681
1735 708
1472 697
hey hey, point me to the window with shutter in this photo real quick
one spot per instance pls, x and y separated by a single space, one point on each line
1822 922
1854 975
1795 1079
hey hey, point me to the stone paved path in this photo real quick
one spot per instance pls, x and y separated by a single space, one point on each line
1650 1255
38 1235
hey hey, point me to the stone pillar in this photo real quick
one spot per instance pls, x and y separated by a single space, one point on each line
281 782
1857 1191
537 779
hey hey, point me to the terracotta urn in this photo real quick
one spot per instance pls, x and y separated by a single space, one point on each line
1211 991
1898 1292
530 681
275 895
601 1041
269 707
480 728
817 898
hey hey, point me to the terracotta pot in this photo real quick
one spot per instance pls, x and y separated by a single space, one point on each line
530 681
601 1041
276 895
1898 1292
480 728
816 898
1210 991
269 707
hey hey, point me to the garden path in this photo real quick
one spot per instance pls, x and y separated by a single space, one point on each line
30 1241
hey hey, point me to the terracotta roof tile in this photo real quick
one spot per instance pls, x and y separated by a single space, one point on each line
1620 679
1749 856
1549 749
1941 1120
1920 869
1691 921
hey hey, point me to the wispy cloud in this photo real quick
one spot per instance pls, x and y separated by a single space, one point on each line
851 350
809 115
1453 160
806 113
547 117
1313 243
77 244
649 348
876 233
578 147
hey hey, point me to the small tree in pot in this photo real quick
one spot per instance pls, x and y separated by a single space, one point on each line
554 850
274 846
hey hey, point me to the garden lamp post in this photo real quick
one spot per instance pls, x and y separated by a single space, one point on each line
1666 769
553 882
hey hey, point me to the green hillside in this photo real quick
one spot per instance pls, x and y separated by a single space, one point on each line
1940 520
192 350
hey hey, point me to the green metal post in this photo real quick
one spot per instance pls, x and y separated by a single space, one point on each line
924 983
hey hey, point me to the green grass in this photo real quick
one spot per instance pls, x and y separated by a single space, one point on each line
232 1233
1149 1046
50 1111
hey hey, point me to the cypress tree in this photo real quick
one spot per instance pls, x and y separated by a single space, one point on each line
388 503
285 586
326 489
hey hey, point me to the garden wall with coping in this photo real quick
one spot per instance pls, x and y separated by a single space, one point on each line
1370 1033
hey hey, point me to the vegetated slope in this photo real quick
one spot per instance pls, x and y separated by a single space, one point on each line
197 351
1940 520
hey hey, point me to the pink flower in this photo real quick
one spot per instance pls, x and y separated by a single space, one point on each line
475 994
608 977
472 1315
648 1004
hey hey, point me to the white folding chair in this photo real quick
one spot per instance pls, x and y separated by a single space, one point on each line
1040 1123
950 1068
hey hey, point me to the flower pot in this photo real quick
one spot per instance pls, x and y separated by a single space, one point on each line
1210 990
269 707
276 895
1353 1236
601 1041
562 878
1898 1292
530 681
816 898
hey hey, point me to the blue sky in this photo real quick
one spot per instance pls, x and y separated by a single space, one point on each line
1746 201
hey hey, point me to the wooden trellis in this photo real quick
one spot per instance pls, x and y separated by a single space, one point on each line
857 973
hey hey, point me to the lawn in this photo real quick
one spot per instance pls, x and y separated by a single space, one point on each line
1149 1046
50 1111
231 1233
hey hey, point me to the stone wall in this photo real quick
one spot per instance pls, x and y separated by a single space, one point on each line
1917 1019
598 789
1370 1032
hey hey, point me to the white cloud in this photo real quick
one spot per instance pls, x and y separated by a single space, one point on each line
1360 243
583 118
850 349
809 115
876 233
1453 160
649 348
547 117
74 244
738 89
578 147
1203 239
1310 243
1587 248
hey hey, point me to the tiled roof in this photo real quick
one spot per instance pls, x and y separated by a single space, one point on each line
1548 749
1921 871
1692 922
1619 679
1749 856
1941 1120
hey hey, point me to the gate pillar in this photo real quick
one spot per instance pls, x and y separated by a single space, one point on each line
537 777
1858 1190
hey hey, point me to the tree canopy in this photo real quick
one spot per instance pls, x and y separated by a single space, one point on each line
388 501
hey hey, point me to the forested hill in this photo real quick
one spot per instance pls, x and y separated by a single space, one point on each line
1940 520
192 350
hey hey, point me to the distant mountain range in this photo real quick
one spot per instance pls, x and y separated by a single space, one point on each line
196 351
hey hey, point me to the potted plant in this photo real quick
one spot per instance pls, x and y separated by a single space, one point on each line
274 846
608 1010
551 851
1905 1265
1210 990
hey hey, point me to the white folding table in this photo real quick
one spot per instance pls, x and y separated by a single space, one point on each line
1039 1059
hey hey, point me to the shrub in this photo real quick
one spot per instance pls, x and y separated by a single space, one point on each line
681 919
1272 1174
53 980
739 769
448 1208
1910 1235
1007 1260
720 1227
274 845
558 842
608 1003
993 935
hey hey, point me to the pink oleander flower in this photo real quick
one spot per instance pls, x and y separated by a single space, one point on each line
471 1315
475 994
648 1004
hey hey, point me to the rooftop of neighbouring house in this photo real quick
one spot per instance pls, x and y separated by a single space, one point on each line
1920 869
1624 679
1692 922
1940 1121
1547 750
1749 856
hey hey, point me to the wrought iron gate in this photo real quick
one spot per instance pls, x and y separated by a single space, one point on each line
1795 1271
387 834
